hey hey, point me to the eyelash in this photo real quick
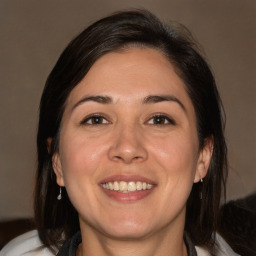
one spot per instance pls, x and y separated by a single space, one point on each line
167 120
94 117
90 120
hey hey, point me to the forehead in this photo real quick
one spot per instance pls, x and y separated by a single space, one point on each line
133 72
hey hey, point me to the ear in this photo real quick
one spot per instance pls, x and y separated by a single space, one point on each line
57 167
204 159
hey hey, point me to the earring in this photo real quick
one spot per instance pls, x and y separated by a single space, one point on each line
59 196
201 193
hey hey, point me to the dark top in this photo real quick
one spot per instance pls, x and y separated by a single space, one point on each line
69 247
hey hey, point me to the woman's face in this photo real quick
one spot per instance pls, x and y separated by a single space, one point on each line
129 151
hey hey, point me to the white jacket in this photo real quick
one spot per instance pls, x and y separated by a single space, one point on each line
29 244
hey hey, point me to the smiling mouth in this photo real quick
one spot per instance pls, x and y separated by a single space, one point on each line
127 187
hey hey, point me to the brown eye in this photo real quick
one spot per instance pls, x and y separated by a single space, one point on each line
95 120
161 120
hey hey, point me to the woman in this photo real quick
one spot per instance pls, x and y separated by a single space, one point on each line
131 152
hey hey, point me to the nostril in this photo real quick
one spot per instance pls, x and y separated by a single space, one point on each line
117 157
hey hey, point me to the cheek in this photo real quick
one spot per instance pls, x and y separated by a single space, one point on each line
80 158
178 161
177 153
176 156
81 165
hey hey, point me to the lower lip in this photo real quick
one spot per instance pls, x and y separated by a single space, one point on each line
129 196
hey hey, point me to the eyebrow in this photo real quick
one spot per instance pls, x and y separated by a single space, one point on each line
98 99
147 100
161 98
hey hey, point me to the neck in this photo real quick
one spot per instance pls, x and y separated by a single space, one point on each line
138 248
167 241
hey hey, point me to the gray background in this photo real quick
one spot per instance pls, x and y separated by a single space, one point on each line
33 34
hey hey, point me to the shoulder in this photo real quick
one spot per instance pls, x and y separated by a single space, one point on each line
27 244
224 248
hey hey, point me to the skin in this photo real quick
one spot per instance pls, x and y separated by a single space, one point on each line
129 141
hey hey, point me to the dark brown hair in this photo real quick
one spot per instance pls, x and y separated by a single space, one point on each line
58 219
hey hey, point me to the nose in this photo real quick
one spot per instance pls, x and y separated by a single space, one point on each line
128 145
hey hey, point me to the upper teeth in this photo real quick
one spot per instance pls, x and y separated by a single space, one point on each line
123 186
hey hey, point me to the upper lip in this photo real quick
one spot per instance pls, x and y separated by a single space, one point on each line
127 178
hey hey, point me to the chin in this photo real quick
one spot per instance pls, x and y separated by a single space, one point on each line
127 229
127 234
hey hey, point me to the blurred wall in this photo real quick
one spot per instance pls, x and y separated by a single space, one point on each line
33 34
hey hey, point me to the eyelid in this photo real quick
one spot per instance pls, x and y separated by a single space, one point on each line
170 120
90 116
